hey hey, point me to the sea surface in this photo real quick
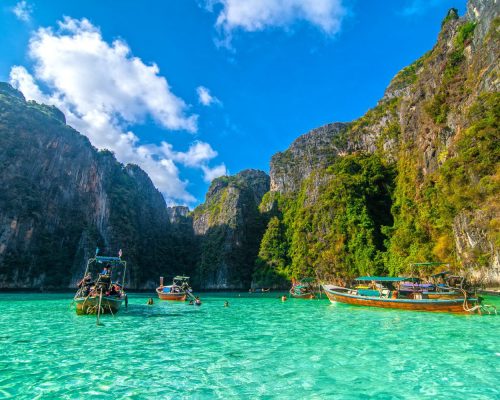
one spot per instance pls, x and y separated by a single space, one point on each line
257 348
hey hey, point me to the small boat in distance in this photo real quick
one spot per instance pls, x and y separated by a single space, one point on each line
106 293
303 289
387 292
179 290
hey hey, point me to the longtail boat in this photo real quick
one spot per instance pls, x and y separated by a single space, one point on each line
303 289
438 286
384 292
102 295
179 290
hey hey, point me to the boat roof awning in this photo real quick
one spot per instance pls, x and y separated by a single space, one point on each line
385 278
110 260
179 278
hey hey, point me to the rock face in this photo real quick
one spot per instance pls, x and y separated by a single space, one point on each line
230 227
414 179
61 198
437 128
312 150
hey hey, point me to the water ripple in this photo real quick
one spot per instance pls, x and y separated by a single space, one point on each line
258 347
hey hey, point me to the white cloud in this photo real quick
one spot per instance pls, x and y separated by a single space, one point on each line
103 91
205 98
197 156
257 15
209 174
22 11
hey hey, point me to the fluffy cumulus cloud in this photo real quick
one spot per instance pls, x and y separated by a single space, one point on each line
257 15
205 97
22 11
104 90
198 156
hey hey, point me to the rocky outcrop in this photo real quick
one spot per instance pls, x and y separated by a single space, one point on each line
312 150
177 213
431 114
230 227
61 198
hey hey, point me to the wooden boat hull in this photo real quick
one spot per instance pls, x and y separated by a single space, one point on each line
172 296
444 295
452 305
90 305
307 296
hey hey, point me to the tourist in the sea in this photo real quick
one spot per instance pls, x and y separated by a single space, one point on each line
197 301
150 301
284 298
226 303
191 302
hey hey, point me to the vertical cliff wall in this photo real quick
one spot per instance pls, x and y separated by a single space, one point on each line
414 179
61 198
230 227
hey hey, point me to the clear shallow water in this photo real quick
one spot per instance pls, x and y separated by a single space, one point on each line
258 347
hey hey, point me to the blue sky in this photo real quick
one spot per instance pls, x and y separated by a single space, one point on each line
129 74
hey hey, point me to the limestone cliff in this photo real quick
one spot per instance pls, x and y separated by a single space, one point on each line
61 198
230 227
431 143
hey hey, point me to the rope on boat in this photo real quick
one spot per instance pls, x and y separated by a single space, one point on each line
110 310
487 308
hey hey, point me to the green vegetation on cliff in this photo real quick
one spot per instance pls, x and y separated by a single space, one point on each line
339 233
409 188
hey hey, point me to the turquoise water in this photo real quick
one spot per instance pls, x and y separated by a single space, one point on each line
258 347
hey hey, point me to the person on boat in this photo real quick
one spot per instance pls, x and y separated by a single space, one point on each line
105 271
113 291
86 280
226 303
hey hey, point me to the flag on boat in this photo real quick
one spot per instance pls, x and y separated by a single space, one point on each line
120 253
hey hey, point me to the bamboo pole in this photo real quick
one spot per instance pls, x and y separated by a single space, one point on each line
99 309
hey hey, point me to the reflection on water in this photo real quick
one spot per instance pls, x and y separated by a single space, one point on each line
258 347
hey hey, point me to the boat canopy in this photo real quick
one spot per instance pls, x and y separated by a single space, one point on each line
385 279
110 260
181 278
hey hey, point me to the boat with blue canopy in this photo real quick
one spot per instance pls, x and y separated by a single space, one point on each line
388 292
303 288
179 290
101 290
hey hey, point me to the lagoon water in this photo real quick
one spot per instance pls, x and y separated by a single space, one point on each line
258 347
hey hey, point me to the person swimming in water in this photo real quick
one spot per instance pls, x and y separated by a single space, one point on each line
226 303
284 298
150 301
197 301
